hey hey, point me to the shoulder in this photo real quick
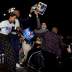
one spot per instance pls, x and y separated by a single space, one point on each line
16 20
5 21
48 33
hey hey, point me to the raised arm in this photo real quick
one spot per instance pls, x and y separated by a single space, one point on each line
38 20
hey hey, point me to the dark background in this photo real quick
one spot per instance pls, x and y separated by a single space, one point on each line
57 13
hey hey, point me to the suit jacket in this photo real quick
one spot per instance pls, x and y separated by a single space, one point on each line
53 43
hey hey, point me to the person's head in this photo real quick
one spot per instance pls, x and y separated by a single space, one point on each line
11 18
38 42
55 29
17 12
43 26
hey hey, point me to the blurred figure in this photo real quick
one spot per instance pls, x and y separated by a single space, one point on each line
14 39
41 27
36 47
26 47
5 45
17 22
41 32
54 48
56 30
35 59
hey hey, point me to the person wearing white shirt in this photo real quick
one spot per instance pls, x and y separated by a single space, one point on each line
16 26
14 39
5 46
6 27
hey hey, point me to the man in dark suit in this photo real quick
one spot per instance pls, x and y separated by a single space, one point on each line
53 49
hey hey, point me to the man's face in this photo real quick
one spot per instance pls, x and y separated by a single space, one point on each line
44 26
12 19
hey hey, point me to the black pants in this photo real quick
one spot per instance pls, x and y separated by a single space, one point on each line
50 61
7 49
14 40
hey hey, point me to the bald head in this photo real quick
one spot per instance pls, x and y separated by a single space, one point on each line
55 29
17 12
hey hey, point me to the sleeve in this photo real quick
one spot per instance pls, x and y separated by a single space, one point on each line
38 22
2 24
17 23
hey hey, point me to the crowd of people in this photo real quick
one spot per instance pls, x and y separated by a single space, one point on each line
42 55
